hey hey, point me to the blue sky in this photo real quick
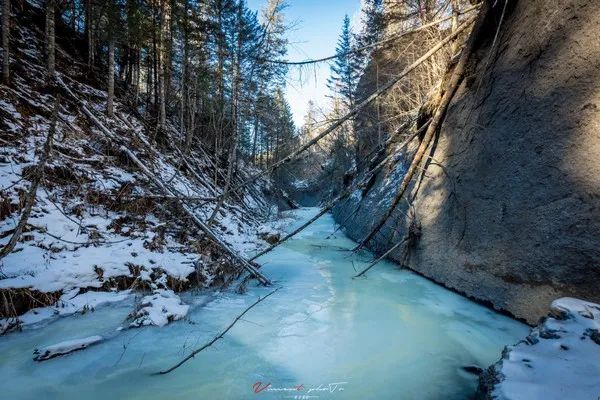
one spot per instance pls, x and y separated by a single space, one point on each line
316 25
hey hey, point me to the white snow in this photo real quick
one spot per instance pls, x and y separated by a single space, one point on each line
68 304
159 308
560 358
78 237
65 347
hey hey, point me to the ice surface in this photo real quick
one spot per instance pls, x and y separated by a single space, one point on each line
393 335
71 303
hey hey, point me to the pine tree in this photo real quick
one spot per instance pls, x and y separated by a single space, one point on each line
345 68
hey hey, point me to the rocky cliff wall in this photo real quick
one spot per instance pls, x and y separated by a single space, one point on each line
509 200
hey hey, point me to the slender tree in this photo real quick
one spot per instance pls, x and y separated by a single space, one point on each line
163 61
89 32
455 13
50 35
111 59
5 41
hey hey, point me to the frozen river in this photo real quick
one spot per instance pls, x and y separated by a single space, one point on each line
323 335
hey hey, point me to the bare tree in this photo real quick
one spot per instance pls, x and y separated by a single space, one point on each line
185 90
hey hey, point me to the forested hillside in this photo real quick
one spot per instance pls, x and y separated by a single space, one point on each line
126 171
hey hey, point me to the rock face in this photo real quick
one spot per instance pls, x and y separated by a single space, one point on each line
509 204
558 360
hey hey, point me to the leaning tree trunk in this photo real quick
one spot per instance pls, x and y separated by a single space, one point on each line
5 41
50 36
438 118
35 182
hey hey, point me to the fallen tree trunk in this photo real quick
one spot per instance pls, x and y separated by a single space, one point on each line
354 110
343 195
167 197
384 255
323 211
35 182
219 336
374 171
66 347
245 264
161 186
436 121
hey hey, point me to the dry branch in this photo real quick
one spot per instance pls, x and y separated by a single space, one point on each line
219 336
166 197
323 211
436 121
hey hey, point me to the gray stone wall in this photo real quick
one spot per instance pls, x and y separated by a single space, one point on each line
509 204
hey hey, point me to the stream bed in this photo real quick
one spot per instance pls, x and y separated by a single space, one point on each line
323 335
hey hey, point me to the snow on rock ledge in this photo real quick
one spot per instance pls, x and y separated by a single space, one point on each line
559 359
159 308
65 347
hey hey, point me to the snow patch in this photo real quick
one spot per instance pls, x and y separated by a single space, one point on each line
560 358
159 308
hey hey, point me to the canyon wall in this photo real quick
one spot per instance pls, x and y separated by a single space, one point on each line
508 201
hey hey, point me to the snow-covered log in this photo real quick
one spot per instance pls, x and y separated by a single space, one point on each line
66 347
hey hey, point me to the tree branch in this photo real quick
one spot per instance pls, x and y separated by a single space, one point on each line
219 336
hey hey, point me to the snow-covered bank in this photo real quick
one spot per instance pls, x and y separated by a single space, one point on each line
560 359
69 303
99 224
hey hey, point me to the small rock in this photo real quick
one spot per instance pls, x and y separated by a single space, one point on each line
473 369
